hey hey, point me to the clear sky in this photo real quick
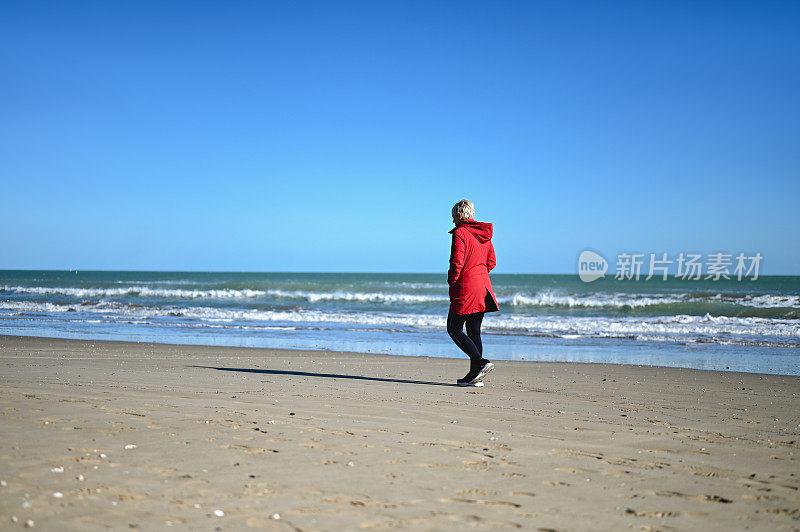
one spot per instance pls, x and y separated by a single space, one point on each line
336 136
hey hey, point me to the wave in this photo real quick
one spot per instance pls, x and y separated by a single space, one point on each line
143 291
228 293
664 303
618 301
641 301
718 329
373 297
761 301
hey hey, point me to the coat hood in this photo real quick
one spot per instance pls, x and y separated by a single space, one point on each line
482 231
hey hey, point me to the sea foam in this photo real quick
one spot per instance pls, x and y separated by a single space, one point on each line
676 328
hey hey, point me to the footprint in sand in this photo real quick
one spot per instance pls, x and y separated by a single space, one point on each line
659 514
794 513
476 491
482 501
708 474
699 497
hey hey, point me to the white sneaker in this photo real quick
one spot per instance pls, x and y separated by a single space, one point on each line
482 373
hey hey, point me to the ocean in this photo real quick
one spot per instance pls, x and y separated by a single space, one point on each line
751 326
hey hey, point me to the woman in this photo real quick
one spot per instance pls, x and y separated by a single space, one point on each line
471 295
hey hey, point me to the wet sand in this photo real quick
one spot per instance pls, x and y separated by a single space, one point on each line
99 435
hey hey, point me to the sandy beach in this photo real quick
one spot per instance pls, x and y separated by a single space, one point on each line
114 435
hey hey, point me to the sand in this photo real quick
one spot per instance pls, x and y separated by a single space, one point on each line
99 435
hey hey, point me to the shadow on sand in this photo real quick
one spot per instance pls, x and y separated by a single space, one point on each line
325 375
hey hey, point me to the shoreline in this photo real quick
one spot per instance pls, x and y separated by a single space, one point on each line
423 357
143 435
549 352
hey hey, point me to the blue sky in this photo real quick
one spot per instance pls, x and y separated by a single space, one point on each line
335 136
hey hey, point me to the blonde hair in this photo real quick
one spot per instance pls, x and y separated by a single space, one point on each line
464 210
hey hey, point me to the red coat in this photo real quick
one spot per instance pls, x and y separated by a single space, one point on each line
471 260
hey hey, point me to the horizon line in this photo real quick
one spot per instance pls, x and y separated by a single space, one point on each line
439 272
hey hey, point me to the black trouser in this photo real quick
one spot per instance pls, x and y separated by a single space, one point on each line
470 343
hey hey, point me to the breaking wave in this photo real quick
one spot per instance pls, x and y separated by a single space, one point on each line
720 329
679 303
